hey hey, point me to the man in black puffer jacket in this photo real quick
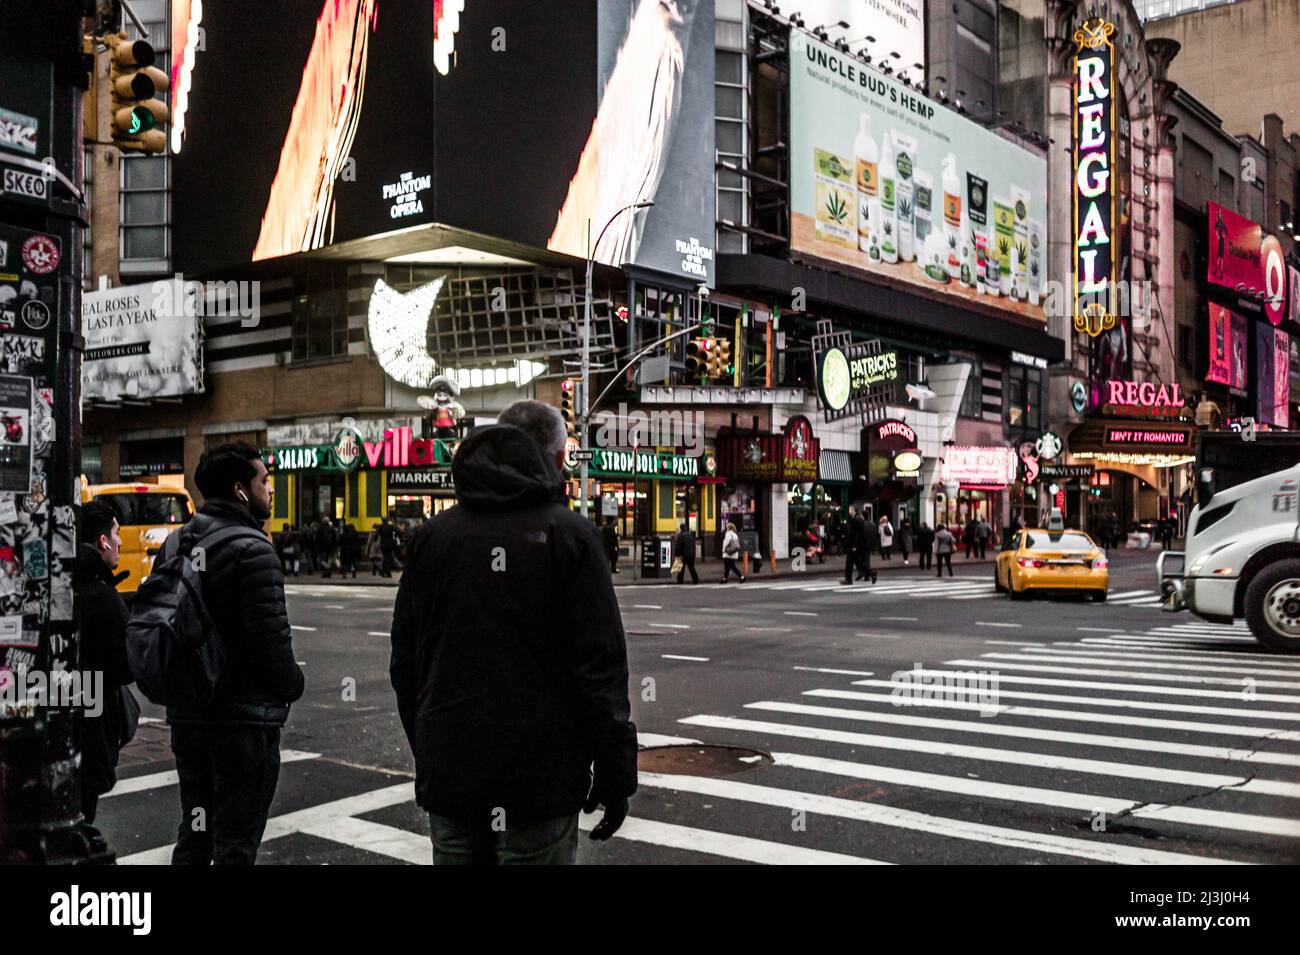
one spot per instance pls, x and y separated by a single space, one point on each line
228 751
509 659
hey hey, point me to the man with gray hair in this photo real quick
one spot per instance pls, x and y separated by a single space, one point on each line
509 659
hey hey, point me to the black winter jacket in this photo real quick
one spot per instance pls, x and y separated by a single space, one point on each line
508 654
857 536
243 589
103 650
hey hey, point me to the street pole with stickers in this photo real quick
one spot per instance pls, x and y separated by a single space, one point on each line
42 218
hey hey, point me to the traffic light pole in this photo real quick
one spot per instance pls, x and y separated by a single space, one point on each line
583 407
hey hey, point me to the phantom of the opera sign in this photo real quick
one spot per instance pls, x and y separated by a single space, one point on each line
1094 164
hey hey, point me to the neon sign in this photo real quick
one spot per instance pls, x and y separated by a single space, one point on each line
1094 164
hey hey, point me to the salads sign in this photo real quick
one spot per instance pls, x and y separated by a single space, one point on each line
891 183
1094 163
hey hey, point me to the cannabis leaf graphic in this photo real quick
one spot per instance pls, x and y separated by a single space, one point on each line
836 208
905 208
1004 248
1022 251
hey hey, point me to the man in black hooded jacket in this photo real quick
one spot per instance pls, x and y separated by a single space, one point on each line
228 750
509 659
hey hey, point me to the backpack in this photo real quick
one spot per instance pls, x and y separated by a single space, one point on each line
172 645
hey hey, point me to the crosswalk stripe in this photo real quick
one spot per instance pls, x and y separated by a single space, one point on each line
1144 688
1189 646
389 841
659 739
1131 593
711 842
935 825
990 728
1130 674
841 672
1235 636
1080 716
1062 799
135 784
1178 777
1052 654
1134 687
1095 651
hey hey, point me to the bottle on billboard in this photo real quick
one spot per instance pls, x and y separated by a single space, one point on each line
1020 273
1036 242
951 215
888 200
924 183
867 162
977 197
905 193
1004 234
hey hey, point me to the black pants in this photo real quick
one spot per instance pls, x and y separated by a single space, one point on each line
944 559
89 802
612 554
389 561
729 564
982 543
927 559
227 780
687 565
859 560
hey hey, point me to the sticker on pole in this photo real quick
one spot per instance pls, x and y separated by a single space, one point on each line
40 254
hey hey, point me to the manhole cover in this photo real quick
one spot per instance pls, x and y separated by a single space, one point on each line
700 760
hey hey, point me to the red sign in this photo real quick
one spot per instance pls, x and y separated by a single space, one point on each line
772 458
1228 348
896 429
1234 260
1274 266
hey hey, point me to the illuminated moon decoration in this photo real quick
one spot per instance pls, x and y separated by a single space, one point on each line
398 324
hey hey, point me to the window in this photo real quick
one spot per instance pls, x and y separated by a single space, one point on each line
136 510
731 133
1186 346
144 208
1024 399
972 399
320 319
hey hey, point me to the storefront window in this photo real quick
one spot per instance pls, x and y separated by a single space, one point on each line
1024 399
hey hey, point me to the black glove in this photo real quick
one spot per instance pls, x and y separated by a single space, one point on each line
612 820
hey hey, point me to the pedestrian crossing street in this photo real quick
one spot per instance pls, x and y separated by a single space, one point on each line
1175 744
948 588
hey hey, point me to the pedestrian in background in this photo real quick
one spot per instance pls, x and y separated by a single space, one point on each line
944 545
349 550
731 553
609 537
925 545
983 531
968 537
228 749
509 661
103 650
905 537
373 552
327 546
684 550
886 537
388 541
872 532
1167 531
289 562
855 539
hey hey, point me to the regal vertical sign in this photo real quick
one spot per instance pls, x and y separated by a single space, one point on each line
1094 165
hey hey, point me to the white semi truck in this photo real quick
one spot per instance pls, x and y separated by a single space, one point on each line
1242 557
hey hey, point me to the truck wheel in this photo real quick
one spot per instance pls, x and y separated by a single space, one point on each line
1273 606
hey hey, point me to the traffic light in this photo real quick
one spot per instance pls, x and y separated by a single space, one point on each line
133 81
720 365
568 391
697 357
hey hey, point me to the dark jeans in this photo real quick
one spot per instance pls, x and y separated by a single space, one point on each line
390 561
927 559
982 544
886 550
944 559
688 565
730 565
459 842
859 560
613 560
229 772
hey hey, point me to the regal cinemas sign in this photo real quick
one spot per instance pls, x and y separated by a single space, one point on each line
1143 399
1094 165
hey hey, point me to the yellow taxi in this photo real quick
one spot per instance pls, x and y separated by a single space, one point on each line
1064 561
146 514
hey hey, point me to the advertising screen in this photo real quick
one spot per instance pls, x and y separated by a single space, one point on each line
1272 385
520 121
1228 348
889 182
142 341
1244 260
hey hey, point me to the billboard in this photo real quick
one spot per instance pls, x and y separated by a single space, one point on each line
518 121
1245 261
879 28
895 185
1272 369
142 341
1228 348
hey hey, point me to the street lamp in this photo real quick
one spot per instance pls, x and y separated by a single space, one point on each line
586 349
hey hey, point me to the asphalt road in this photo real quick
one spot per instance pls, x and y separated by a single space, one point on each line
1080 733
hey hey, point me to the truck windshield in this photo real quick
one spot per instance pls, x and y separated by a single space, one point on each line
134 510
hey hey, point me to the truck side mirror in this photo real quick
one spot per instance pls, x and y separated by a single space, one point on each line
1204 486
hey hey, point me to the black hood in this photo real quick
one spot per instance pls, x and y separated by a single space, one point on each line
501 467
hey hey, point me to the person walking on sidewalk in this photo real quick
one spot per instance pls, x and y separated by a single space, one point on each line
609 539
228 749
886 537
968 537
327 545
872 532
388 541
373 552
983 531
925 546
289 562
731 554
944 545
103 650
349 550
684 550
855 540
905 537
509 661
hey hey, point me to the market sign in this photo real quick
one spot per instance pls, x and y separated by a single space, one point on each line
1126 437
989 466
1143 399
1096 259
429 479
608 462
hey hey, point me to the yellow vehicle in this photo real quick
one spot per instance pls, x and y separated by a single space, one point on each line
147 514
1051 560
